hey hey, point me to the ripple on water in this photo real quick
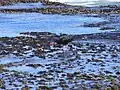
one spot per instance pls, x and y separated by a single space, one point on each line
23 6
24 22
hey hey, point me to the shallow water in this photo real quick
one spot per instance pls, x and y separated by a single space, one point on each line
77 65
9 59
13 24
23 6
34 60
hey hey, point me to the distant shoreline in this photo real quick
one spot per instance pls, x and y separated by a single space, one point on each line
60 8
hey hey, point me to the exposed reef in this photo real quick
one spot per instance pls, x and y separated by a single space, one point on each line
71 61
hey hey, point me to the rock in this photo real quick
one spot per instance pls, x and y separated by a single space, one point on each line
115 87
34 65
108 88
25 88
118 73
43 88
64 40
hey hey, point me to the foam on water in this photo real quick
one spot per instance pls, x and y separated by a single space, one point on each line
88 2
84 0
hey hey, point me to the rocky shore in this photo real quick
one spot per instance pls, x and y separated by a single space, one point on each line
49 61
61 54
59 8
67 10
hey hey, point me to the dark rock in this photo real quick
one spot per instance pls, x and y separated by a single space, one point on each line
64 40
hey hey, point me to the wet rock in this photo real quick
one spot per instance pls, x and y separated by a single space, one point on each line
114 54
118 73
115 87
2 84
58 71
43 88
1 68
70 76
64 40
99 24
108 72
53 3
84 51
34 65
108 88
107 28
25 88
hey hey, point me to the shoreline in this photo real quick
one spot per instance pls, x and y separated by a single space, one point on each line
47 61
35 46
52 8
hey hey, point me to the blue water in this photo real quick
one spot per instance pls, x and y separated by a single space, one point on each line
23 6
13 24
